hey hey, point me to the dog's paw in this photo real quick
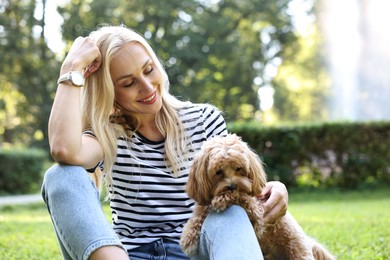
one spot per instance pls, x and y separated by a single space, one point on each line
189 247
222 202
220 205
189 242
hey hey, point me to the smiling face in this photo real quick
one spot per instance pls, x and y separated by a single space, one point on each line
137 82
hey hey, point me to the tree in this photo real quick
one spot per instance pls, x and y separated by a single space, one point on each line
209 48
26 74
302 82
212 50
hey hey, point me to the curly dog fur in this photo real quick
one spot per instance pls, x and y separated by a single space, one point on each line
228 172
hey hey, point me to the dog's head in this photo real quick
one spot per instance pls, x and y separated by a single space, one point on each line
225 164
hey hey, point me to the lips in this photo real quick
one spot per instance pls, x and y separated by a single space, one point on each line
150 99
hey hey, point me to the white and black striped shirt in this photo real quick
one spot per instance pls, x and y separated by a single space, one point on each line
147 201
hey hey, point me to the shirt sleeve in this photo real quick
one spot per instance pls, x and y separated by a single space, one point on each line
90 133
214 122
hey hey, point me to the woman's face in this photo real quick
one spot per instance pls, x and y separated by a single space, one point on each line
137 82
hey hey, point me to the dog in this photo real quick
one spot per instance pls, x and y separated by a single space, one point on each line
227 172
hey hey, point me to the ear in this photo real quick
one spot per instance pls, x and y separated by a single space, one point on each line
198 185
256 173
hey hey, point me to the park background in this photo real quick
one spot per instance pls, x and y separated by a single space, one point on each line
286 73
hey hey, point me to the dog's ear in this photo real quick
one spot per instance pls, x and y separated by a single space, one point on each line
256 173
198 185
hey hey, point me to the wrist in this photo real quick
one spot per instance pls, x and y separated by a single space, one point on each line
71 66
74 78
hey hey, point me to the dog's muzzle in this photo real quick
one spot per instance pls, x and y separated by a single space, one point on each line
232 186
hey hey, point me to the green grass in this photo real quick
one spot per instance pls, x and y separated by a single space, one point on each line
26 232
353 225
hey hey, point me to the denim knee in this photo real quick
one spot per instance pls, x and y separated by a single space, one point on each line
74 206
59 178
228 235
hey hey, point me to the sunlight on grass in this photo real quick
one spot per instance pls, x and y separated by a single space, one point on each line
352 227
27 233
24 219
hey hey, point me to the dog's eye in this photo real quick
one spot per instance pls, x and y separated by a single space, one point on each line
240 170
219 172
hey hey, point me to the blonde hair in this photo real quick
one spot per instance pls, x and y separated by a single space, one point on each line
106 120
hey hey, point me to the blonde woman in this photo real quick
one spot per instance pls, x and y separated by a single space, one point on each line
123 121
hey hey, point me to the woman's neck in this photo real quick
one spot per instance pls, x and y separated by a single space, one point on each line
148 128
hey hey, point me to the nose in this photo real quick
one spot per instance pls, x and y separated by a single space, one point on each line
146 85
232 186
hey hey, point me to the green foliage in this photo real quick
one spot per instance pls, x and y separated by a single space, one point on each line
346 154
28 72
302 83
212 51
209 48
21 170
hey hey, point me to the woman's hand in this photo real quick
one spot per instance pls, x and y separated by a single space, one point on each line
84 55
275 200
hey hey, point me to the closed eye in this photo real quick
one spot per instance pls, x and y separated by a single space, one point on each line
130 84
149 69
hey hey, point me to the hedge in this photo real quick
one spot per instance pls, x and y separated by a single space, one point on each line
343 154
21 170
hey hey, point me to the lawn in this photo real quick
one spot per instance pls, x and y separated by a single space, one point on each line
353 225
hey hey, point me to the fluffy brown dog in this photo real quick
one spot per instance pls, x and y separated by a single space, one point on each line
228 172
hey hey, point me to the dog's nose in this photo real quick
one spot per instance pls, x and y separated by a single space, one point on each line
232 186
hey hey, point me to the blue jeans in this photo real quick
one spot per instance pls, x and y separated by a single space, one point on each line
81 225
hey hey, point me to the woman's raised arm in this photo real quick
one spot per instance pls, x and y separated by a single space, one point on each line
67 144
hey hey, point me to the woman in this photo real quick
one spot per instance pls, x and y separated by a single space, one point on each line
145 139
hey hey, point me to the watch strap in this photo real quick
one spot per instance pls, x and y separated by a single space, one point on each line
68 77
63 77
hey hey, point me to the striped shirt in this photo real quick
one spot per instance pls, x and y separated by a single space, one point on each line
147 202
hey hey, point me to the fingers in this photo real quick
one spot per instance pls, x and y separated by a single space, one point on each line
275 200
84 55
91 68
273 212
266 191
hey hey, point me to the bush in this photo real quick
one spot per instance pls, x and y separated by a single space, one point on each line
21 170
346 155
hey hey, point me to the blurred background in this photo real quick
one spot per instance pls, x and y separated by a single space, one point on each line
270 62
305 82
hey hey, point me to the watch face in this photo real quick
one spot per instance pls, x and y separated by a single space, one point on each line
77 79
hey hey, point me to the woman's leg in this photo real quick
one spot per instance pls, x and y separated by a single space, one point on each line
74 205
160 249
228 235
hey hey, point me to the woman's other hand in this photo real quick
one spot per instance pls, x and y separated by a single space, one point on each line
275 200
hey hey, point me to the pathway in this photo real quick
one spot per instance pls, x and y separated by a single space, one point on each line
20 199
